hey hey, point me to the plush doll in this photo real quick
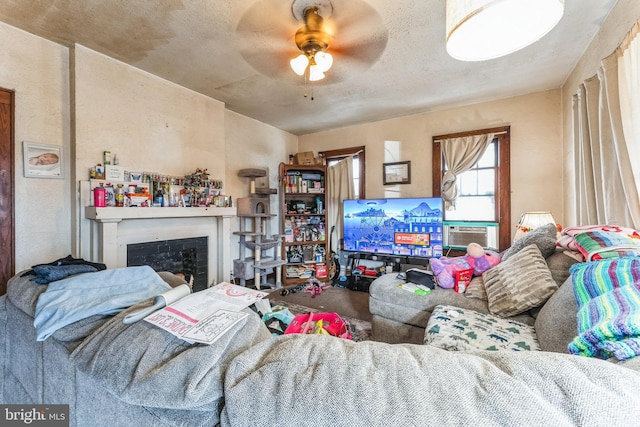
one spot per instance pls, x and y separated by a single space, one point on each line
475 262
481 260
446 270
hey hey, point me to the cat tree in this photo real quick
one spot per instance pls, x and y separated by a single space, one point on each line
253 214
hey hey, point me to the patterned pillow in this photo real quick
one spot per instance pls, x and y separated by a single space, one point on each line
476 289
544 238
453 328
518 284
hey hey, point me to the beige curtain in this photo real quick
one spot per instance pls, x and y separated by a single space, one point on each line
606 188
460 154
629 81
339 188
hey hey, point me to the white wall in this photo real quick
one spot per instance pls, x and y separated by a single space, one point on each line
614 29
253 144
150 123
37 70
88 103
536 147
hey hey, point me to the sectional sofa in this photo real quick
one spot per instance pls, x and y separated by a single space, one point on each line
111 373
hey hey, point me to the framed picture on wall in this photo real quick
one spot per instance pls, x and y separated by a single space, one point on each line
396 173
42 160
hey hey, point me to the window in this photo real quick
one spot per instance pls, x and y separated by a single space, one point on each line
358 153
483 190
477 190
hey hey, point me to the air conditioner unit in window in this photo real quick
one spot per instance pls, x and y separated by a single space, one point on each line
458 234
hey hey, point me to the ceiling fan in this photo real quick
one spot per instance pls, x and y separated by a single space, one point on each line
347 36
312 40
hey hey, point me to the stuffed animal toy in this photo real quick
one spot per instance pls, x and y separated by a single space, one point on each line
481 260
449 270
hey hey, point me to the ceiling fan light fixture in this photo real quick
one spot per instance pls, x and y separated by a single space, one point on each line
315 73
324 60
479 30
299 64
313 41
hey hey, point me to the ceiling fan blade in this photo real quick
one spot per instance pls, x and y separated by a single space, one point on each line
266 37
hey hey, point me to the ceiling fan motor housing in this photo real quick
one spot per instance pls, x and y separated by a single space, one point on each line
311 38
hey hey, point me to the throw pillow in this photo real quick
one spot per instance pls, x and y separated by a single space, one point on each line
454 328
544 238
476 289
519 283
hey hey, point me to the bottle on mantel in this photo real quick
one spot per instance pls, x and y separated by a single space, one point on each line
159 198
119 196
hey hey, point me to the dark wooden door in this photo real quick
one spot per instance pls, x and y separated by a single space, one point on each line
7 156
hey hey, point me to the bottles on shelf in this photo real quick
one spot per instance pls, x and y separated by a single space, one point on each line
304 222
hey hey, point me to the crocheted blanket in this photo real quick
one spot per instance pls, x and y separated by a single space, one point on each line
608 297
600 244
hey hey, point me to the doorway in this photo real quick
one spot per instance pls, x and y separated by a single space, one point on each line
7 166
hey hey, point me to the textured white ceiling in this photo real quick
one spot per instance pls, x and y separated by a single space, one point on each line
390 57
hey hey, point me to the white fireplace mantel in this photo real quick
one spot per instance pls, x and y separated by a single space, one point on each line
112 229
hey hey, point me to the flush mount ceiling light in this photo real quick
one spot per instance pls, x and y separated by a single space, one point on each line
313 41
478 30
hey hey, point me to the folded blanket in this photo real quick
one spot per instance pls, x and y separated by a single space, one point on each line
103 292
608 297
596 245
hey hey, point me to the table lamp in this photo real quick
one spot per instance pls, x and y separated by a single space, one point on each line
529 221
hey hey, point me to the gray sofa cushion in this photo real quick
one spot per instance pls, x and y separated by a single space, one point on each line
544 238
556 324
305 380
559 264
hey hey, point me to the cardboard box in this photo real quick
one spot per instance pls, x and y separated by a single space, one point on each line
305 158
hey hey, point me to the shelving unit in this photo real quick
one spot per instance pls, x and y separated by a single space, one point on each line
304 222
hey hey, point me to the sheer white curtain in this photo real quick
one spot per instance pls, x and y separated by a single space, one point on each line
339 188
460 154
606 189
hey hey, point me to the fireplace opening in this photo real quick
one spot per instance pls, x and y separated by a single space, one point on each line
187 257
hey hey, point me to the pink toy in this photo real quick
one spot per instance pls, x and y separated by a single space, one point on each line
481 260
448 270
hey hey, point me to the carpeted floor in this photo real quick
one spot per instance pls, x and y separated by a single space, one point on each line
352 306
343 301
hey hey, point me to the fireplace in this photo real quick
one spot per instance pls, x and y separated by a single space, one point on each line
106 233
179 256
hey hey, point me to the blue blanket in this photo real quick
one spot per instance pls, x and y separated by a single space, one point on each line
104 292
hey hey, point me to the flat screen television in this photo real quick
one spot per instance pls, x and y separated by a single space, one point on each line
394 226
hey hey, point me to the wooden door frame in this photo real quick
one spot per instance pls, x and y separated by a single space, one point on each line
7 186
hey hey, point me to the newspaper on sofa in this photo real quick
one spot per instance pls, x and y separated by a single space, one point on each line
200 317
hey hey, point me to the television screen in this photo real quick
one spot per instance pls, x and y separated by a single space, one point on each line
401 226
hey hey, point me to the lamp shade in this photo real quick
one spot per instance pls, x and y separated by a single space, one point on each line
324 61
299 64
529 221
478 30
315 73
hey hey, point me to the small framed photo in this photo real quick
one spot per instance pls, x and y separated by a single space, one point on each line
396 173
42 160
